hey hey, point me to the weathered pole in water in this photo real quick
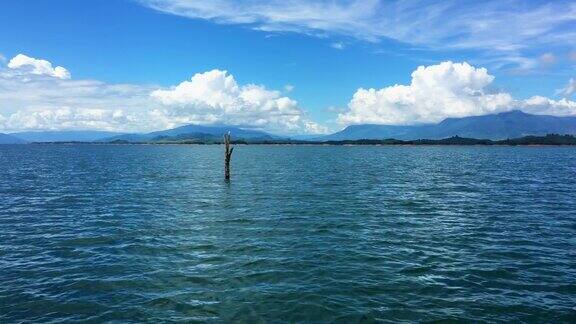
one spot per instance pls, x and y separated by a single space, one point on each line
227 155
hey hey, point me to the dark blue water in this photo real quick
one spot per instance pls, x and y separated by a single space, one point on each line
320 234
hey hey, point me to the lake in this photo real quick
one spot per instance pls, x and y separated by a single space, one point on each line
150 233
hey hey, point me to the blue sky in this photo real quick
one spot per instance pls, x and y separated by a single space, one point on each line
309 60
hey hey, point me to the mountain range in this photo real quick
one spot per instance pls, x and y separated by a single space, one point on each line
9 139
512 124
63 136
195 132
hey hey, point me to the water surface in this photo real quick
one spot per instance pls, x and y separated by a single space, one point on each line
302 233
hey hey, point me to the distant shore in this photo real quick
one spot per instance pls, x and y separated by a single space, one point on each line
548 140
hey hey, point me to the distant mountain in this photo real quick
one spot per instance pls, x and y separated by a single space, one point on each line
196 132
64 136
510 124
304 137
371 131
9 139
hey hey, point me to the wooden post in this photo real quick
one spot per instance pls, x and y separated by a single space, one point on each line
227 155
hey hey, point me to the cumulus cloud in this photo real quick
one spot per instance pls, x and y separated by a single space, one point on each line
34 95
216 97
545 106
475 25
28 65
435 93
441 91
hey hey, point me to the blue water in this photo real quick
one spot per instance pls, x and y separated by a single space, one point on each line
301 234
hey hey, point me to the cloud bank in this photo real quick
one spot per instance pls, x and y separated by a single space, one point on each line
34 95
441 91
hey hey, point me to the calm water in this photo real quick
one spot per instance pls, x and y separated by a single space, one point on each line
350 234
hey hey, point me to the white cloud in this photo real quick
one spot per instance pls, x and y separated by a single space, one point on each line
436 24
35 102
545 106
441 91
216 97
312 17
32 100
338 45
67 118
24 64
435 93
35 96
569 89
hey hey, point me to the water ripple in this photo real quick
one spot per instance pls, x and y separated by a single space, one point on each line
301 234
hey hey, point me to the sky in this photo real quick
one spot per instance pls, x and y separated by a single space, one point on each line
287 67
